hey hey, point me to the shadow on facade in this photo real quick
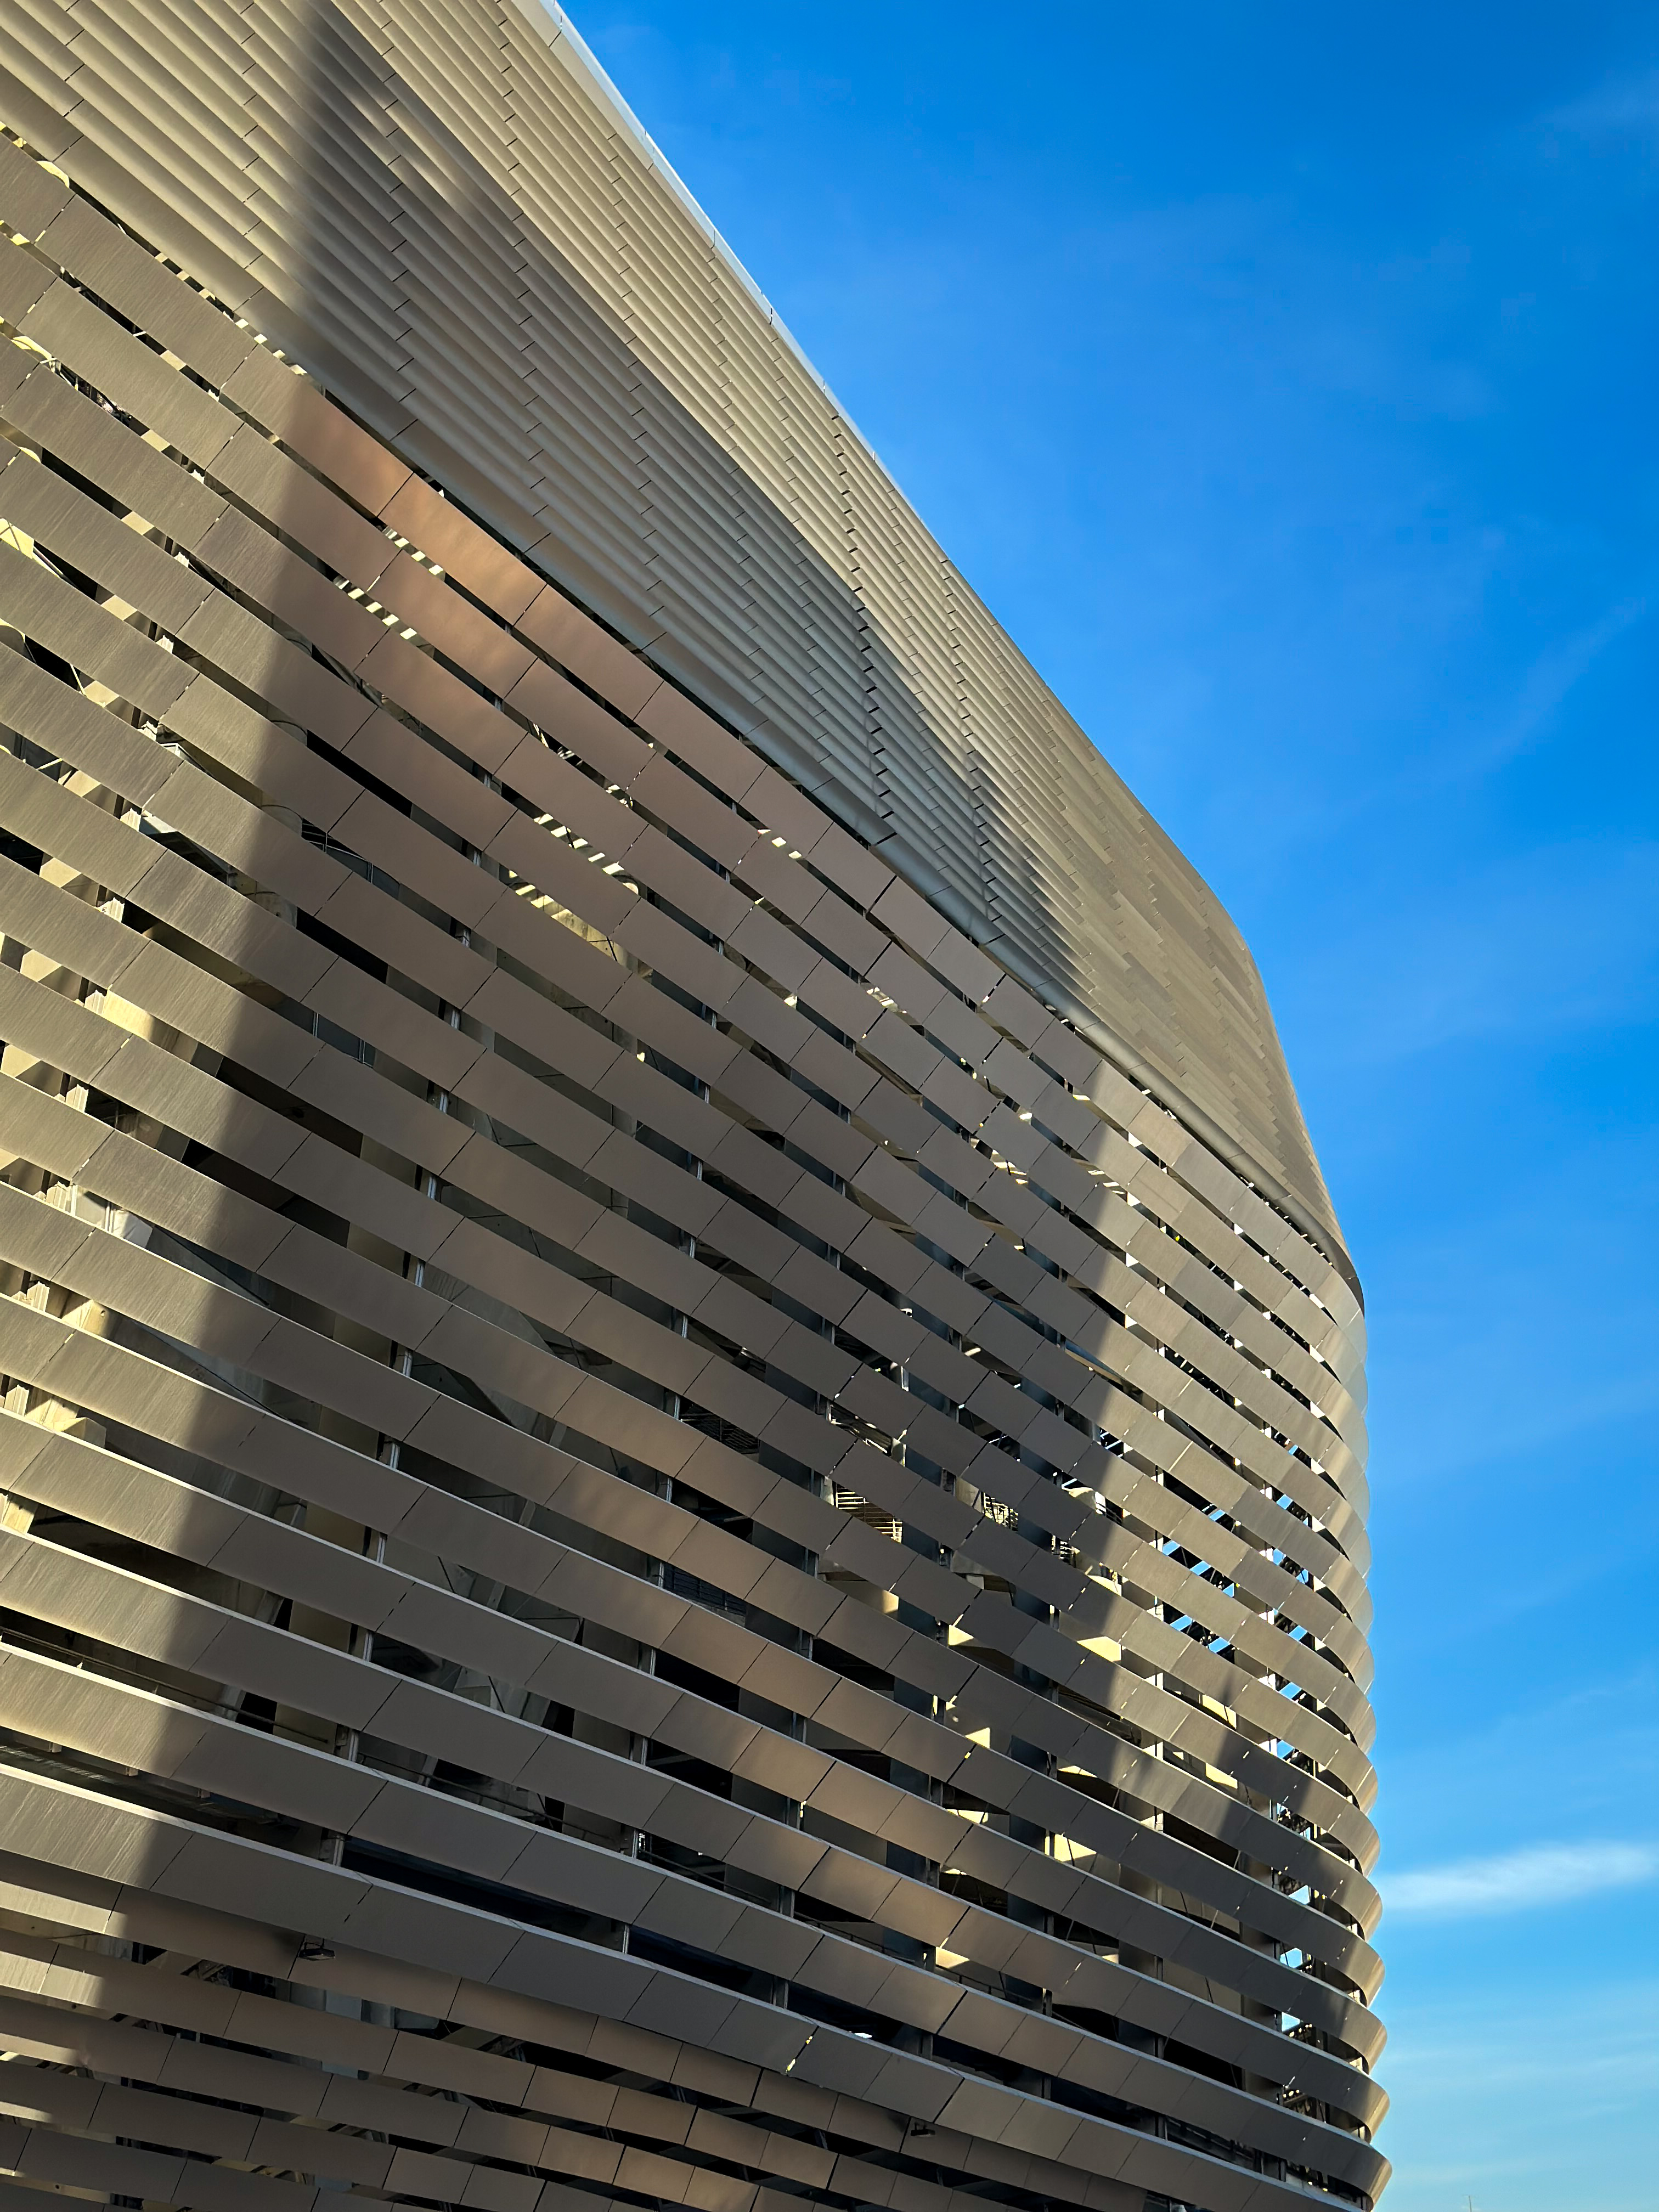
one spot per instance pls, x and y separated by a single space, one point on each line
554 432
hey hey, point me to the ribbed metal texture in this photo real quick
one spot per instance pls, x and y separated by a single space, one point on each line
443 211
658 1544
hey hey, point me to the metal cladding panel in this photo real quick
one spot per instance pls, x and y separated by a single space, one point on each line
450 217
615 1437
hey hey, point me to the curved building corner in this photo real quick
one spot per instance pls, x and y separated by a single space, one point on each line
682 1512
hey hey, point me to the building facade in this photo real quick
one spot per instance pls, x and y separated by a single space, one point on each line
680 1473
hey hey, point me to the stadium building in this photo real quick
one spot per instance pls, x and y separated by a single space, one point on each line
681 1497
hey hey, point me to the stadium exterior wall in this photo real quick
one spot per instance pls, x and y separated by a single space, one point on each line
681 1497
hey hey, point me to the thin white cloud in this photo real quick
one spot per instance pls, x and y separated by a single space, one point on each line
1514 1881
1539 943
1552 678
1627 103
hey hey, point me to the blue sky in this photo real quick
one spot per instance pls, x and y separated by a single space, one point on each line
1284 379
